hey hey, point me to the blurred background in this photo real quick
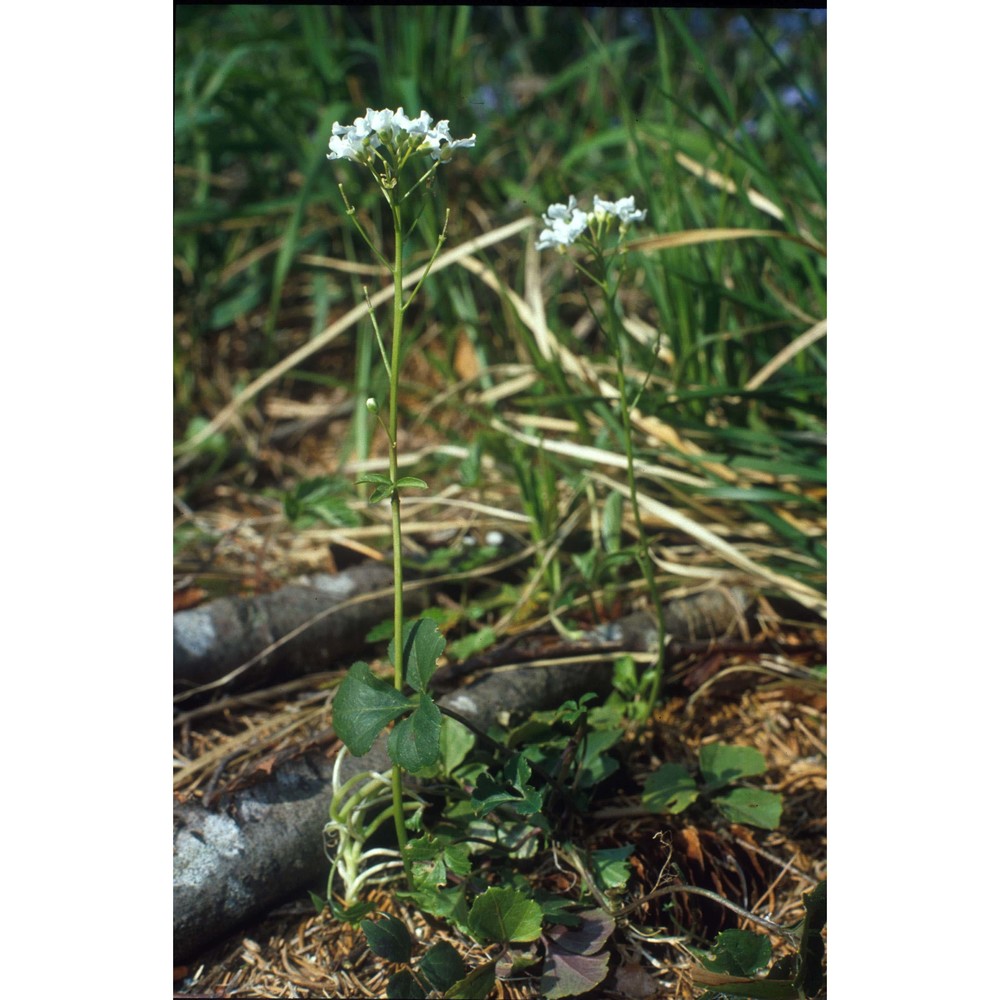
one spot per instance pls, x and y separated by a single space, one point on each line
710 118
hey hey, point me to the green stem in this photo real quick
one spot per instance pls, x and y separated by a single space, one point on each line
643 558
397 522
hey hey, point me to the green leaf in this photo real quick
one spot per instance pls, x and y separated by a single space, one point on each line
512 788
722 765
669 789
363 707
739 953
474 642
477 985
611 867
380 494
411 481
415 742
456 742
505 915
374 477
422 645
403 985
751 806
594 763
442 965
449 903
426 870
389 939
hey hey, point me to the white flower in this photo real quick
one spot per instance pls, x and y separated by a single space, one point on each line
624 209
393 128
564 223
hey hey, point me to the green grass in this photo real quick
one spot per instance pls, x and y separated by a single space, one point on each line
711 122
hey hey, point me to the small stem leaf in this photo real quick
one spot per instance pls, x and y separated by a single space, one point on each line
374 477
752 807
389 939
722 765
363 707
505 915
416 741
411 481
669 789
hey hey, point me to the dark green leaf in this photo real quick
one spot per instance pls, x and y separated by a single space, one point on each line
611 867
505 915
751 806
442 966
403 985
669 789
477 985
739 953
422 645
363 707
811 976
389 939
415 742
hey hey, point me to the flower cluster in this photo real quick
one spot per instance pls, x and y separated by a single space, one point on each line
394 130
565 223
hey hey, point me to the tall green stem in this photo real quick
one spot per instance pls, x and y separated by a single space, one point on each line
643 557
397 521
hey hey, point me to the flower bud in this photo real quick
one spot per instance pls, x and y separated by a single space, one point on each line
371 405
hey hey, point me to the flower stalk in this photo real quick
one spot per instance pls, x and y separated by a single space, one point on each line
564 226
385 141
